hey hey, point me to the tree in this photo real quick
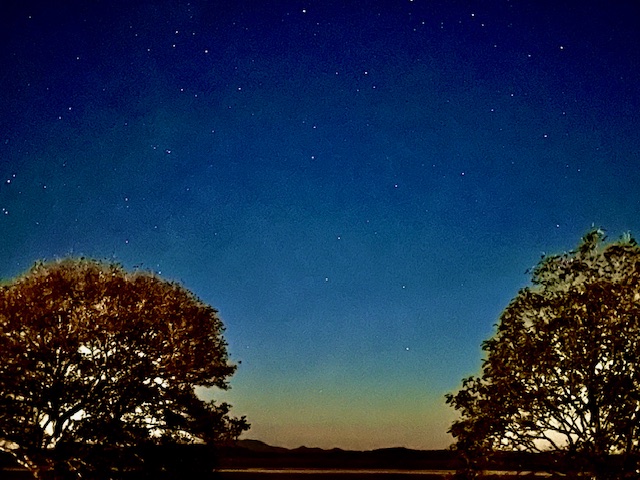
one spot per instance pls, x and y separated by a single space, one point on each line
562 373
97 358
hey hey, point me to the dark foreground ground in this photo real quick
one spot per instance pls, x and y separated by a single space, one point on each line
296 474
251 459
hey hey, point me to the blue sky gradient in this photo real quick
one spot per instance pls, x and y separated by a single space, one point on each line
358 187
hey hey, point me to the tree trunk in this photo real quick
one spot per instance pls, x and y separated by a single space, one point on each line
40 470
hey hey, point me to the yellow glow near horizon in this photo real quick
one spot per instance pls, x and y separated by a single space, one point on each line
344 419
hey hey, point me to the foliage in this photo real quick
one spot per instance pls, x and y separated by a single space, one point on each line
562 373
96 358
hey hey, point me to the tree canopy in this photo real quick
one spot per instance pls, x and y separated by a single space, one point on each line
95 357
562 373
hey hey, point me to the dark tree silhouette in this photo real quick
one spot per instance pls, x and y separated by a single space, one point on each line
562 373
96 358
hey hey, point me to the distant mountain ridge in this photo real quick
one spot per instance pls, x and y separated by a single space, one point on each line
258 454
252 453
260 446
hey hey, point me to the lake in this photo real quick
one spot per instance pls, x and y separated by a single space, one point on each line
314 474
323 474
353 474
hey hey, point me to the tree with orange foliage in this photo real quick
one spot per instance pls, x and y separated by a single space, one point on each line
561 376
95 358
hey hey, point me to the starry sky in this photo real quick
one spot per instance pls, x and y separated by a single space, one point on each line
359 187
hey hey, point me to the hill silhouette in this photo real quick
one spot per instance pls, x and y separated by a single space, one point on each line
257 454
247 454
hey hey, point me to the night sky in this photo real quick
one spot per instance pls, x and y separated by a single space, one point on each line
358 187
